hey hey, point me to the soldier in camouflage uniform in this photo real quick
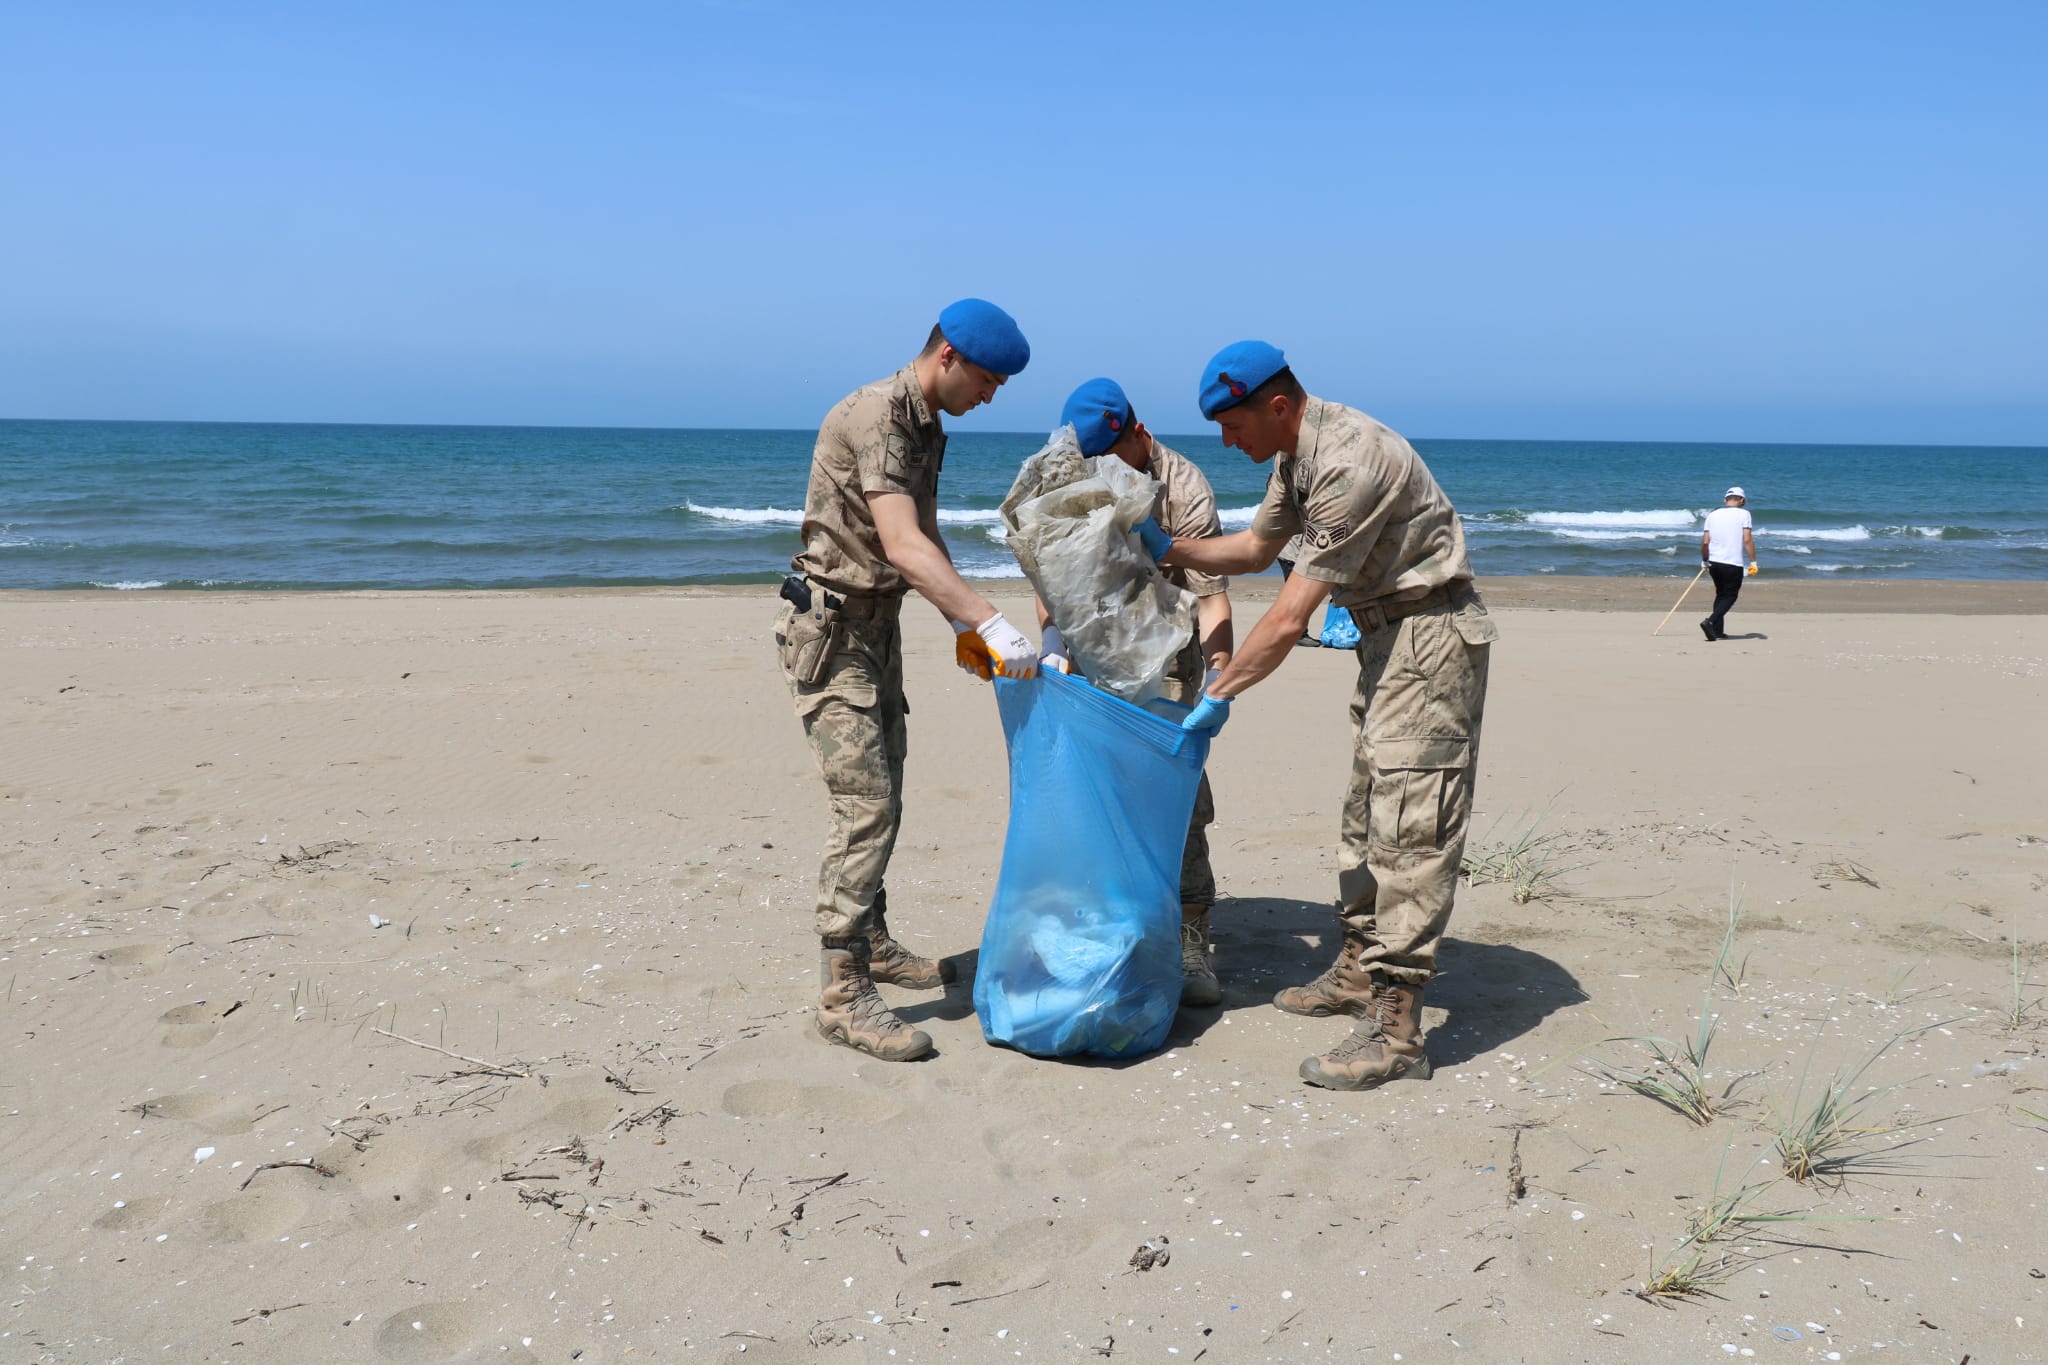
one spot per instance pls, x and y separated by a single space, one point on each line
1101 416
1377 536
870 535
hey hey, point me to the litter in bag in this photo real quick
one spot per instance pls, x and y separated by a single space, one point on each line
1339 630
1081 951
1070 519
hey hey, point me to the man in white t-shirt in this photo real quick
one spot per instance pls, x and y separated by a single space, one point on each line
1726 544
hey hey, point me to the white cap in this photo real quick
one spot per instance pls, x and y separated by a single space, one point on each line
1736 493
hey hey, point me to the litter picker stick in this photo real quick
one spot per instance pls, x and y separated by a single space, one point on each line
1681 601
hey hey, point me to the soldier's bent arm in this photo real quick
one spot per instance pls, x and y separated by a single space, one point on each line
922 563
1272 639
1239 553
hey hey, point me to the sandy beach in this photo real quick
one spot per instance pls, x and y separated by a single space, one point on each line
424 977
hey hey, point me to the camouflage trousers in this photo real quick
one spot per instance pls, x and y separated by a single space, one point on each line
1415 719
855 718
1197 878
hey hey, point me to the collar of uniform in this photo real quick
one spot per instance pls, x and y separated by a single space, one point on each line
1311 428
906 380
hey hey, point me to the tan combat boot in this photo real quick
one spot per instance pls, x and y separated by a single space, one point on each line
851 1012
1385 1045
1199 985
1343 988
892 964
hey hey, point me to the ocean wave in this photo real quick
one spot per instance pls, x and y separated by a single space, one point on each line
754 516
1809 533
961 516
1939 532
1574 533
1668 518
130 584
1236 518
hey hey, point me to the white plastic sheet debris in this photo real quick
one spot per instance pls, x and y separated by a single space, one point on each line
1070 519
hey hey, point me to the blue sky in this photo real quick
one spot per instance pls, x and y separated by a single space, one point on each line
1731 222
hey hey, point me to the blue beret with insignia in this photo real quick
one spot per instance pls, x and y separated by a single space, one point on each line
1099 414
986 335
1235 371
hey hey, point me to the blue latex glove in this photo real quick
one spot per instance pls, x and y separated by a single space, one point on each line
1154 538
1209 714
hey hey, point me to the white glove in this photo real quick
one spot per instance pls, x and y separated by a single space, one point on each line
1052 650
1015 656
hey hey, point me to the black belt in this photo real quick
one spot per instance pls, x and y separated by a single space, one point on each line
1378 615
798 589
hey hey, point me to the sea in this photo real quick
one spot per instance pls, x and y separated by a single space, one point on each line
152 506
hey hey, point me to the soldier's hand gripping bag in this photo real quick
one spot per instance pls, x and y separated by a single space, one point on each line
1081 951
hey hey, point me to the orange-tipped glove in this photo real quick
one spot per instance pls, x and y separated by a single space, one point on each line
1013 655
1752 570
971 653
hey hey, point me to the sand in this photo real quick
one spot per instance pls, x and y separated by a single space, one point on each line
487 915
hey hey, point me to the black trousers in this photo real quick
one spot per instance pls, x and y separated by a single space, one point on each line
1727 587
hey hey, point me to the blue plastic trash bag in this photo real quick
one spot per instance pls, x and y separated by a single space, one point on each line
1081 952
1339 630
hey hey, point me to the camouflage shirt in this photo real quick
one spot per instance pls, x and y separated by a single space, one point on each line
1186 507
883 438
1369 514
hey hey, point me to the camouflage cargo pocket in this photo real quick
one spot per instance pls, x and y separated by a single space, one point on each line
1420 789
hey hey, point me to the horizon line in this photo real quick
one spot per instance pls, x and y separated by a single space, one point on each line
1024 435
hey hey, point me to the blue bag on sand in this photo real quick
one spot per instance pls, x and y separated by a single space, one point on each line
1339 630
1081 952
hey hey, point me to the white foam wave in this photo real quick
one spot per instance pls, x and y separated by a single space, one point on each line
129 585
1669 518
965 517
1798 549
1572 533
1236 518
991 569
1836 568
1809 533
754 516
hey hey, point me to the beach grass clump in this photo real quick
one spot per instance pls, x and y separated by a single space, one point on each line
1825 1135
1527 861
1700 1261
1676 1075
1727 969
2022 1011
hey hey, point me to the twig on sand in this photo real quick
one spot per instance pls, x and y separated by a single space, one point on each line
264 1313
488 1068
306 1162
984 1298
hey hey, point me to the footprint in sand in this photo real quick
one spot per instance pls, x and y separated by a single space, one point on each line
221 1115
190 1025
448 1334
1038 1151
132 1215
255 1215
1024 1253
786 1099
133 959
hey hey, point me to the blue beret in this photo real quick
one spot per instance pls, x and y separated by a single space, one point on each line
986 335
1100 414
1235 371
